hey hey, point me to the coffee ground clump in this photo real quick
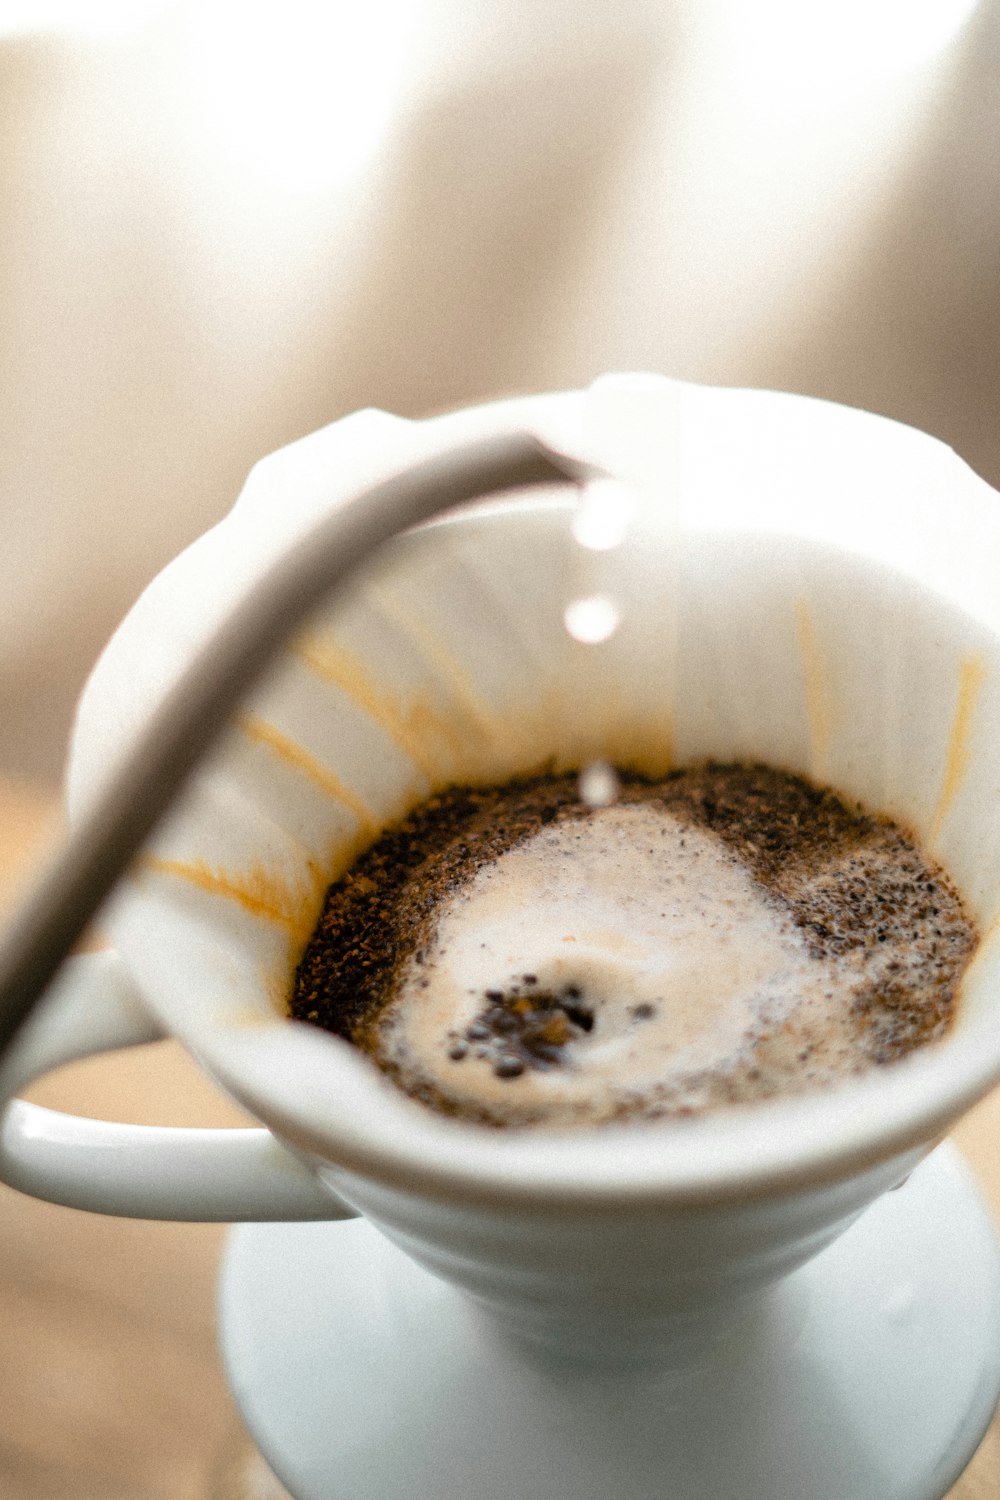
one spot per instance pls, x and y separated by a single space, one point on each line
856 887
524 1028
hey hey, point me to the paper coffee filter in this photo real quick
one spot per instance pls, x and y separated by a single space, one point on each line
800 584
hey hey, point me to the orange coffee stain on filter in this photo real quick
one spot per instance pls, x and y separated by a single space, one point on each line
472 720
647 748
534 733
267 896
263 894
819 709
409 728
303 761
971 678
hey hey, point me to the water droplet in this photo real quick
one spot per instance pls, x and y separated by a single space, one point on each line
599 784
592 620
602 516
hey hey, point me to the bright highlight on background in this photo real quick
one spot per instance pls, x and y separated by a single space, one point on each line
789 45
96 18
300 91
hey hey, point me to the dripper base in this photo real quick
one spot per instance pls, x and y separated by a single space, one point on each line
872 1370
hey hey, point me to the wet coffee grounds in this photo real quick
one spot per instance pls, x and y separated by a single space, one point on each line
848 879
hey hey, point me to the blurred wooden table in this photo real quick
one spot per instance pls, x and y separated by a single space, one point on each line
110 1382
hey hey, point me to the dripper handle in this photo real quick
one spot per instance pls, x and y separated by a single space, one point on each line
135 1171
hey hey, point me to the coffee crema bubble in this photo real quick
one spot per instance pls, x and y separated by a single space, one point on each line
729 934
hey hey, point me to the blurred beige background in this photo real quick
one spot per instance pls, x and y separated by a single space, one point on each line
228 224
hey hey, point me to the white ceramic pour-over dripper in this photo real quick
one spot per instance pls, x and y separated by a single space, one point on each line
825 603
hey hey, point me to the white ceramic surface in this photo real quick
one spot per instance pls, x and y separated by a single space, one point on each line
872 1371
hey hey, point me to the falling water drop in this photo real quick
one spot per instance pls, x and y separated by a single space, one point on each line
601 519
599 784
592 620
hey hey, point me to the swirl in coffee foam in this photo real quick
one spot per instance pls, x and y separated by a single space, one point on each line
722 937
664 942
